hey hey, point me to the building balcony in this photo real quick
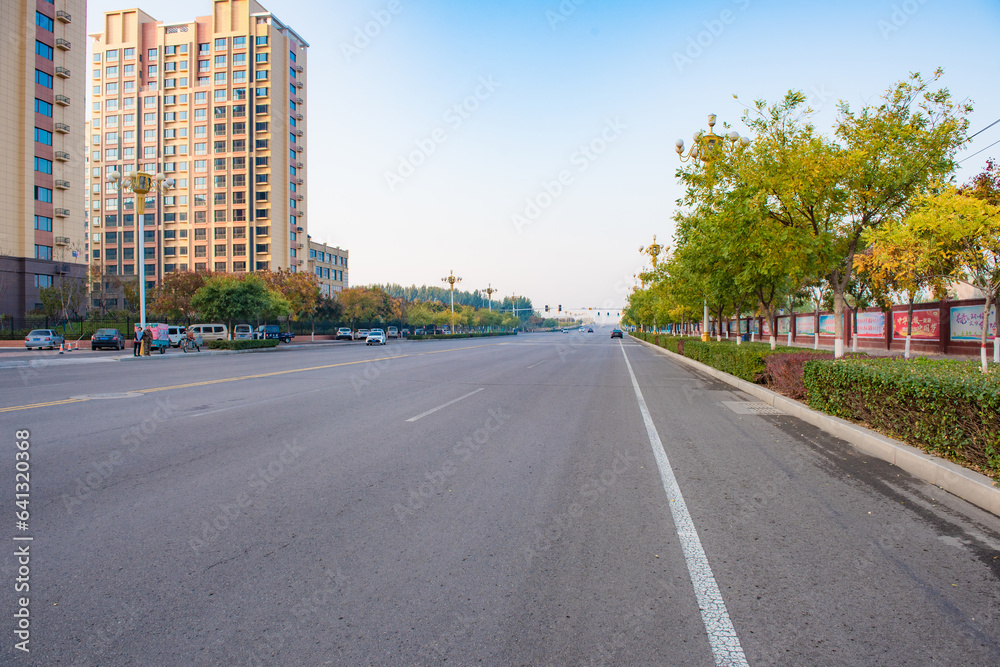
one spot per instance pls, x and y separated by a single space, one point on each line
300 229
298 148
299 100
62 156
299 116
64 16
62 212
62 72
63 100
63 44
62 127
299 84
62 240
62 185
300 164
299 181
300 197
298 68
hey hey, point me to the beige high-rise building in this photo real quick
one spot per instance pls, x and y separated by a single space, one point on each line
218 105
42 79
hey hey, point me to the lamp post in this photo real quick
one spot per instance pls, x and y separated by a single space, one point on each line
451 280
708 147
653 250
141 184
513 305
490 291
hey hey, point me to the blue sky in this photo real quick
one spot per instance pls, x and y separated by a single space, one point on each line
530 144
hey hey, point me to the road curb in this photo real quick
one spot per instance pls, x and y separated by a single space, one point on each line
969 485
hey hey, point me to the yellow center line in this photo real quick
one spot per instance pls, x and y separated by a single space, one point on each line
246 377
43 405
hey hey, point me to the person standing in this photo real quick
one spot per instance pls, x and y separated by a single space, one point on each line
136 341
147 341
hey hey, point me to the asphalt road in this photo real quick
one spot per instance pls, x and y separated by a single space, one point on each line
491 501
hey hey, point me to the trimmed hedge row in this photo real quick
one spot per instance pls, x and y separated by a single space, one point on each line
947 408
242 344
460 335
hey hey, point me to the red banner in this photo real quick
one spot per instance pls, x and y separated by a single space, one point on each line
926 325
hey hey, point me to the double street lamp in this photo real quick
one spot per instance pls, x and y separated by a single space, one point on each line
141 184
451 280
708 147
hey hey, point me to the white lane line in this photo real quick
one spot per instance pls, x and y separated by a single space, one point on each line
440 407
722 636
539 363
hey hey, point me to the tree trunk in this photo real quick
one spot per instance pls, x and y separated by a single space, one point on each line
838 324
909 327
986 326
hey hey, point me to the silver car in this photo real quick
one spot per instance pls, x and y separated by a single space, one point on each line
43 338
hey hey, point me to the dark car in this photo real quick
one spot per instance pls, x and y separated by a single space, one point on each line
590 329
616 333
107 338
273 331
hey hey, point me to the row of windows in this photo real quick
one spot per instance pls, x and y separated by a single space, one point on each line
334 274
327 257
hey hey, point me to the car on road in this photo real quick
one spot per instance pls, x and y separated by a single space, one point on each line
107 338
392 332
344 333
617 333
361 334
175 333
375 337
565 330
43 338
273 332
590 329
211 331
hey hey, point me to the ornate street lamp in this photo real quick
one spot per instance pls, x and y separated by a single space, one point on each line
490 291
653 250
141 184
708 147
451 280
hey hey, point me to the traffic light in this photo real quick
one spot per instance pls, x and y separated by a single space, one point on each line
546 309
560 307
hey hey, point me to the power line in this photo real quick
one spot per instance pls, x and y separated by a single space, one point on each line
980 151
986 128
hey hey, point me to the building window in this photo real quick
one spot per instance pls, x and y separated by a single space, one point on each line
45 167
44 22
44 50
221 44
43 194
42 107
220 250
43 281
240 42
43 252
43 224
43 78
262 40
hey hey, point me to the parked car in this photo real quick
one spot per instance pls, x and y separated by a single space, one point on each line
404 333
43 338
273 331
107 338
616 333
242 332
211 331
344 333
418 332
565 330
392 332
175 334
375 337
361 334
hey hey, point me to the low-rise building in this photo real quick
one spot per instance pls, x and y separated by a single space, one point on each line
329 265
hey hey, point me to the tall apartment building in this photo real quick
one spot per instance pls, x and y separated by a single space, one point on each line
329 265
218 105
42 79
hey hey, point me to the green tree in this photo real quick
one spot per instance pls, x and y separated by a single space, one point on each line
175 292
227 298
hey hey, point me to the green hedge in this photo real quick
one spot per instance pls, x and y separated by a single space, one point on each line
746 361
242 344
947 408
459 335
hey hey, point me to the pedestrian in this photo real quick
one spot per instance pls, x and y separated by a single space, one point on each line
147 341
136 342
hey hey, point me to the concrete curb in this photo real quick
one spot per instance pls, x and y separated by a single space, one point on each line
969 485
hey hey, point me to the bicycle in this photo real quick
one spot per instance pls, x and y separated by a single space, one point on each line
187 345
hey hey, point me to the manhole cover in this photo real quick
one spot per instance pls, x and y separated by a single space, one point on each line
751 408
105 397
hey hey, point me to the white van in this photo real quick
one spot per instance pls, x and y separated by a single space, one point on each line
210 331
242 332
175 334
